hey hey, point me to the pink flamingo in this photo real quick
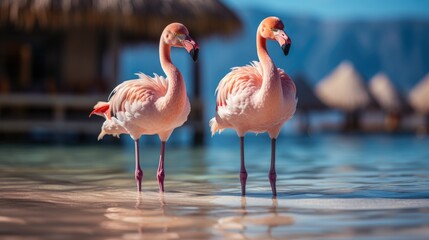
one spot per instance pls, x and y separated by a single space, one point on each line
151 105
257 98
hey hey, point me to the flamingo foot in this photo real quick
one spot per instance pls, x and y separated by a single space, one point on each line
243 179
139 176
161 177
273 176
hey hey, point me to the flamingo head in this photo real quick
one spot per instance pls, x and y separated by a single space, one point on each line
177 35
273 28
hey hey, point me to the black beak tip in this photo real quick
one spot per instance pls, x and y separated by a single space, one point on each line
194 54
285 48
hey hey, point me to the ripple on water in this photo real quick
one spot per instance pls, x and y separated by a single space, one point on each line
329 187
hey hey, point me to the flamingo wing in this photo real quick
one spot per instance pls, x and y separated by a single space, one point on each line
133 95
288 85
239 82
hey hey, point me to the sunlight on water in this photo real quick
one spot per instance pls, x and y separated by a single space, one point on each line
330 186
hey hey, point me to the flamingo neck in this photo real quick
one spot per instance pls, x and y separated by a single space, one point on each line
270 77
261 48
176 85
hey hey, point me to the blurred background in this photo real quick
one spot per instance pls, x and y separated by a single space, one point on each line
359 66
362 73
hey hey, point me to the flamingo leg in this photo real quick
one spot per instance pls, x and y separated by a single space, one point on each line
243 172
272 175
161 173
138 171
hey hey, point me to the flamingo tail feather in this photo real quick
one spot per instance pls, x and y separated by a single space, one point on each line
101 109
214 126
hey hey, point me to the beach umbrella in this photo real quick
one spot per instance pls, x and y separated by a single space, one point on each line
344 89
388 98
307 101
385 93
419 96
419 101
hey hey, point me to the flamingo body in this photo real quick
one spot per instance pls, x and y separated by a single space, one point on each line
151 105
140 107
240 102
257 98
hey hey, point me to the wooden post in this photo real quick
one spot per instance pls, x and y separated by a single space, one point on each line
25 66
197 107
114 56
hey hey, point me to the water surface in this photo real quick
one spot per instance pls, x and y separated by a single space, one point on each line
329 186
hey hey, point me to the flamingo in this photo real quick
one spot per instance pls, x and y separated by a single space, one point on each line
151 105
257 98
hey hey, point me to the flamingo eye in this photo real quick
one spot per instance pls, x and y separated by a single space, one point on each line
274 29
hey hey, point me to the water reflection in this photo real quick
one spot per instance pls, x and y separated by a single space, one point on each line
253 222
157 216
346 187
178 215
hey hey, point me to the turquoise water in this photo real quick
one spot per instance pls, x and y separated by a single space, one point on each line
329 187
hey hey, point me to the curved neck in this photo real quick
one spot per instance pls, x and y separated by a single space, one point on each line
270 76
176 86
261 48
173 74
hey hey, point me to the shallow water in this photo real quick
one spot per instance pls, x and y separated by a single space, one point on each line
329 187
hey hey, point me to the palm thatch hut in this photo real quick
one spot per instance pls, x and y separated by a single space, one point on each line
85 30
344 89
419 97
419 101
389 99
307 101
73 46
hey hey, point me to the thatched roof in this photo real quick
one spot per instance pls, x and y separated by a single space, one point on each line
419 96
135 18
385 93
307 99
344 89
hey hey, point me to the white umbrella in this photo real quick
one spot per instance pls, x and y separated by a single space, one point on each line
344 89
419 96
385 93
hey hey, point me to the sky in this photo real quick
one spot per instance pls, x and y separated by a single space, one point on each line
342 8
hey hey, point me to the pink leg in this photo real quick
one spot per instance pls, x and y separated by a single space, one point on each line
138 172
243 172
161 174
272 175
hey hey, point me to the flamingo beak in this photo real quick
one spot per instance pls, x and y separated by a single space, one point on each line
284 41
192 47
